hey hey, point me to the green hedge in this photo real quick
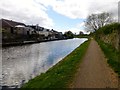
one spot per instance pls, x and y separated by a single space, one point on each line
108 29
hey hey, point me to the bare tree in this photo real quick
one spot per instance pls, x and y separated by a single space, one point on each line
96 21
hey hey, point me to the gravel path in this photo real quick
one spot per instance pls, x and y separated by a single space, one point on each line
94 72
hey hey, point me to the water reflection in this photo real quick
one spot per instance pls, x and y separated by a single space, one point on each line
22 63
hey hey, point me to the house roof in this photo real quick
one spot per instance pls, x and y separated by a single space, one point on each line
9 23
19 26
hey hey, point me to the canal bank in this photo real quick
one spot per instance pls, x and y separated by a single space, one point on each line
26 42
60 75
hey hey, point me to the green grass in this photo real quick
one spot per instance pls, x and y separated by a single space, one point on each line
112 55
60 75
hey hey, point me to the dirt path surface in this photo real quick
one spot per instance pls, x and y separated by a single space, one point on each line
94 71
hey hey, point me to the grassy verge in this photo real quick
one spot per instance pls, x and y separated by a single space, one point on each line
112 55
60 75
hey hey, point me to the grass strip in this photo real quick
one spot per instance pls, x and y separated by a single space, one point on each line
112 55
60 75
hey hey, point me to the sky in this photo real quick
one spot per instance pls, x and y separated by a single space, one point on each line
60 15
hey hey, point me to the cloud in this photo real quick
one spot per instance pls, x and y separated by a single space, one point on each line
69 8
77 30
79 25
81 8
35 11
110 6
27 11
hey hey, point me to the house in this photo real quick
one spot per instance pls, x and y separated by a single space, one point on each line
45 32
13 27
36 28
12 31
23 30
9 25
56 34
40 30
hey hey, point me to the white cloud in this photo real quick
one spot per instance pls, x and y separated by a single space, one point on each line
81 8
27 11
79 25
110 6
69 8
77 30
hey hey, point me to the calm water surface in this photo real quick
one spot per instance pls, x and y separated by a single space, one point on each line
22 63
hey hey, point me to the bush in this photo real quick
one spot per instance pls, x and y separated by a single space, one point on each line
108 29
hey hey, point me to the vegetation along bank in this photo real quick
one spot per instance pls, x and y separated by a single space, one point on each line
108 38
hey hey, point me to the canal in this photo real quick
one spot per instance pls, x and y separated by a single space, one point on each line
22 63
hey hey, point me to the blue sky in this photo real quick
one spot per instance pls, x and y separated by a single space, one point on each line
62 22
61 15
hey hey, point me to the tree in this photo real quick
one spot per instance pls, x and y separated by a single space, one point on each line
96 21
81 33
68 34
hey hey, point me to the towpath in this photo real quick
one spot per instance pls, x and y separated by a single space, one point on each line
94 72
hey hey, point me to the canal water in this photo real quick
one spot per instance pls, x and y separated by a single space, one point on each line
22 63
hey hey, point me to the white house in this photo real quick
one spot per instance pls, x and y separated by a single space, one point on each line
23 30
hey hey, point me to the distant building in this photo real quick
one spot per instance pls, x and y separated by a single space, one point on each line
12 30
45 32
36 27
56 34
40 30
23 30
9 25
